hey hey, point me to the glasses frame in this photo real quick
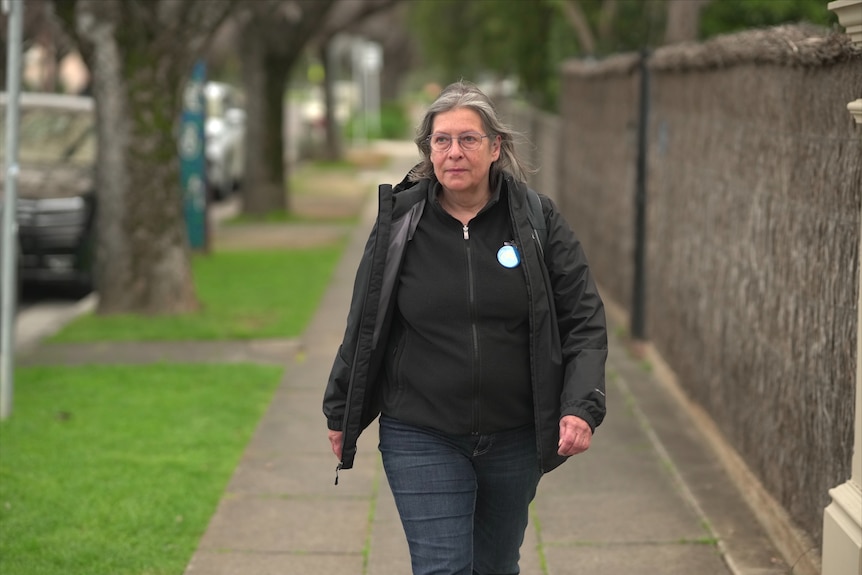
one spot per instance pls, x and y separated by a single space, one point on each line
453 138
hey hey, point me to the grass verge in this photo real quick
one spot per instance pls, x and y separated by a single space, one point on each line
118 469
243 294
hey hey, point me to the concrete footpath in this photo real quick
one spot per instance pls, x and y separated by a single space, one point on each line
649 497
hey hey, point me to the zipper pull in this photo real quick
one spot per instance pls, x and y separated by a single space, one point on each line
535 235
337 469
466 232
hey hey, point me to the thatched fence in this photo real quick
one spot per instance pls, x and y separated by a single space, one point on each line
754 187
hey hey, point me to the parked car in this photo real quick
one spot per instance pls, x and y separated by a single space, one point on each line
225 139
55 187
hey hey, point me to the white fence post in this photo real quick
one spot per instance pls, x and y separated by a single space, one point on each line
842 519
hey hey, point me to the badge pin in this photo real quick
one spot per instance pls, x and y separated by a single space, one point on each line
508 256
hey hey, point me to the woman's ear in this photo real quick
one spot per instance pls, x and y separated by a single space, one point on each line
496 147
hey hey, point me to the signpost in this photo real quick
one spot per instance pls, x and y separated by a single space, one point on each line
192 149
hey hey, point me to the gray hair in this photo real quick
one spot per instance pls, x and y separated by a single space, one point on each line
467 95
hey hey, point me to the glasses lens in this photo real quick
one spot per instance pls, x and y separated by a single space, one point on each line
440 142
470 140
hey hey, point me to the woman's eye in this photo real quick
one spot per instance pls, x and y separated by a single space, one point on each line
469 140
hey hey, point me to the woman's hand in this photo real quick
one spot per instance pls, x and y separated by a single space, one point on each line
575 435
335 440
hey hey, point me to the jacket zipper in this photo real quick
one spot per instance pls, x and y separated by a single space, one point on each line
474 331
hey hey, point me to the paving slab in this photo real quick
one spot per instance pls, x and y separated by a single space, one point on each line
619 491
636 559
248 563
297 525
697 469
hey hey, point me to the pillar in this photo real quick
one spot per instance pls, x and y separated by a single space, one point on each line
842 519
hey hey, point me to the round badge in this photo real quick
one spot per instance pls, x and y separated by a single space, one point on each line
508 257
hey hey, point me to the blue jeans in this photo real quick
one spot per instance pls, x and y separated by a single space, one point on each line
463 499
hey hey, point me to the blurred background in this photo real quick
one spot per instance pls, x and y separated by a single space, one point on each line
287 81
701 148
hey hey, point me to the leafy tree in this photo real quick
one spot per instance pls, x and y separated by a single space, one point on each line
453 35
726 16
528 39
140 54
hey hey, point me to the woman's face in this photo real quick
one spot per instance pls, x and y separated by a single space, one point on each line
460 170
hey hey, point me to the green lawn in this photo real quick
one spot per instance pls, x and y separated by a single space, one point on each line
244 295
118 469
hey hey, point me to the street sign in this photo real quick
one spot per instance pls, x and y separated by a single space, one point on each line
192 148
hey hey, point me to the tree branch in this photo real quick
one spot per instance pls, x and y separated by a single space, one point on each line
683 20
366 10
577 19
606 21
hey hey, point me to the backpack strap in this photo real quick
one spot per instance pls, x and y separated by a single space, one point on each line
537 219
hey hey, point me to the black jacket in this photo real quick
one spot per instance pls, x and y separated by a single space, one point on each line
567 355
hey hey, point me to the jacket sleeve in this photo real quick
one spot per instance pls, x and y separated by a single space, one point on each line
580 319
335 396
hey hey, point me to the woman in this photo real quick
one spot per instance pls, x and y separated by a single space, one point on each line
482 349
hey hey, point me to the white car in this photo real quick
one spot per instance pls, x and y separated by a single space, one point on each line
225 139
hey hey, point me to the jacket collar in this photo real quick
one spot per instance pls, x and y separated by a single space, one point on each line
497 184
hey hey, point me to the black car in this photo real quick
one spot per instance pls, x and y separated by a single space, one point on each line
56 196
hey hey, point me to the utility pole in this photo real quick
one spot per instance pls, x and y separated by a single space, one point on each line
9 227
638 320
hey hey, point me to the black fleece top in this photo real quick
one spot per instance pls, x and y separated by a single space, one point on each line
459 357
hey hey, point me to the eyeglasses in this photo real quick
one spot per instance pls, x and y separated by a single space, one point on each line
467 141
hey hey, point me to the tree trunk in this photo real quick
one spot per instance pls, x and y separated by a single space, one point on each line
607 15
332 149
140 55
398 60
265 77
683 20
274 36
272 43
142 247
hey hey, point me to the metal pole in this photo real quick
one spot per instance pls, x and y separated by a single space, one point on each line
357 50
8 295
373 63
639 285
